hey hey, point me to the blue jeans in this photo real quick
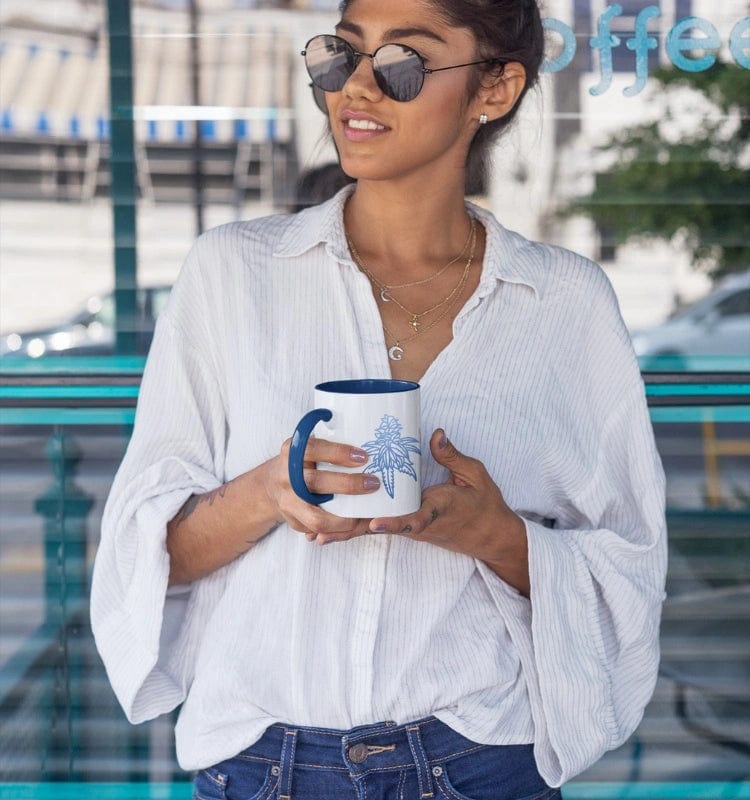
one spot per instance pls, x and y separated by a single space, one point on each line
421 760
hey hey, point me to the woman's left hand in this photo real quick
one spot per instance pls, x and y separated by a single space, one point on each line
468 515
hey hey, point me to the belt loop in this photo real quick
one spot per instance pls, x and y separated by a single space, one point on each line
287 764
420 761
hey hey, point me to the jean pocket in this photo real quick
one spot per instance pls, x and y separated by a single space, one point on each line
237 779
253 780
209 784
487 790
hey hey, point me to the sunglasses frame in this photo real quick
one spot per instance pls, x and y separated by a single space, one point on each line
379 78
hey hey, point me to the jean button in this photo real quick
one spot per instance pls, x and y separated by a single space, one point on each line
358 753
437 771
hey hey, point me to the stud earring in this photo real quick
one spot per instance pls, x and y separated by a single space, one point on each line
483 119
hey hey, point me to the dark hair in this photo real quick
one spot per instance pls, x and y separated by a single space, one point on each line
318 184
508 29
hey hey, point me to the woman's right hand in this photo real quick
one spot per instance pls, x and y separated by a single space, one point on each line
306 517
214 528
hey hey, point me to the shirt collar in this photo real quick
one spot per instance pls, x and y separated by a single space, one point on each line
321 224
508 256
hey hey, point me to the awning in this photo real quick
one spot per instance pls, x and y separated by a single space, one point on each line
57 86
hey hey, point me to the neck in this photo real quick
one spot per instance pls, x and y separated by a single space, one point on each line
406 233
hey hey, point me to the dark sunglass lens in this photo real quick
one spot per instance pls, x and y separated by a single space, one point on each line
398 71
319 96
330 62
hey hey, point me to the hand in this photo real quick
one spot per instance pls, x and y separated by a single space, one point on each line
466 515
311 519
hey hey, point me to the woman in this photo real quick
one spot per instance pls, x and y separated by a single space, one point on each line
499 640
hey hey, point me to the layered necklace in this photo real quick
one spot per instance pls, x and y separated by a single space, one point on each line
396 350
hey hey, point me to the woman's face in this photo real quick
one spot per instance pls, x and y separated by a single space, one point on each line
379 138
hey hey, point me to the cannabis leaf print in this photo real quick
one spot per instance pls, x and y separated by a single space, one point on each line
390 452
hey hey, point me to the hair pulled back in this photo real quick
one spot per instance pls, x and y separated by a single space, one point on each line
508 29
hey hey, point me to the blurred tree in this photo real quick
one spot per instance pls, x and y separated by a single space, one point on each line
686 174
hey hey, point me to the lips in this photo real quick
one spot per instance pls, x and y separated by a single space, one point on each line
359 126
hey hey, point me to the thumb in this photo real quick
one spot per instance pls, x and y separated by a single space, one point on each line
446 454
443 450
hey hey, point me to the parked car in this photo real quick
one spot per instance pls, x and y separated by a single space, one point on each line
89 331
716 325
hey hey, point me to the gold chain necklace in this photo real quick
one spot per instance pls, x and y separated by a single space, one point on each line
396 351
386 288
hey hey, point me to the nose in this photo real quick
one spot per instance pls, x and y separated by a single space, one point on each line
362 82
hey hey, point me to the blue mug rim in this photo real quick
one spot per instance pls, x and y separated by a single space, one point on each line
367 386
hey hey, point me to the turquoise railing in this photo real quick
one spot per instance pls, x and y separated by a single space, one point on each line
52 685
183 791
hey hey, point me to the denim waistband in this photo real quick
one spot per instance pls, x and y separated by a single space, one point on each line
385 745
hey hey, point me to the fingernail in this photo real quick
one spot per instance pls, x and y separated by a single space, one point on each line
371 482
379 528
443 441
360 456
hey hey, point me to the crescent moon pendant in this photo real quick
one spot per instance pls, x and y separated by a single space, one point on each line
395 353
384 295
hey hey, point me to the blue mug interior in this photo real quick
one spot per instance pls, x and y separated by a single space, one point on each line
367 386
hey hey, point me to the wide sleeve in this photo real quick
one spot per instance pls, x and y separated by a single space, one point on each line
176 450
588 636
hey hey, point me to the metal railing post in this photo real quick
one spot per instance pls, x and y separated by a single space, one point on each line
123 172
64 507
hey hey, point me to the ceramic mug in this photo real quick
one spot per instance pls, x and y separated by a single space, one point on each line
379 416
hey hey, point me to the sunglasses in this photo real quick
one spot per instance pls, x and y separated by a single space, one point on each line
319 96
399 70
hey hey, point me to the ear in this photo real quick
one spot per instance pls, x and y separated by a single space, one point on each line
500 93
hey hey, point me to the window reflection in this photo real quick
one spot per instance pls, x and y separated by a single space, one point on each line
259 131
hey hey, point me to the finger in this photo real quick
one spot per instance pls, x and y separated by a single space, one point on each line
343 455
411 524
308 518
296 525
465 471
360 529
323 481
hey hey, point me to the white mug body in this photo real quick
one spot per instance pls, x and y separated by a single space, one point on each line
381 417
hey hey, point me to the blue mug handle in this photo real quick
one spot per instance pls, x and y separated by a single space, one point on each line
297 455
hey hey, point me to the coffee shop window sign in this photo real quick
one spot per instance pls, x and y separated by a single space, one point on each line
691 44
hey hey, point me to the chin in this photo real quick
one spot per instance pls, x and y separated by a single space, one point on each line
369 168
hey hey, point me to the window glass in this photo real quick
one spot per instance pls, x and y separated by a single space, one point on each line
633 151
736 305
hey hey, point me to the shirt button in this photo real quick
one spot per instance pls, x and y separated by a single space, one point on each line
358 753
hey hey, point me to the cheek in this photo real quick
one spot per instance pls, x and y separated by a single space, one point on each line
445 99
442 120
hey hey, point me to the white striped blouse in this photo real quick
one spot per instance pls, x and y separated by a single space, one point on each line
539 383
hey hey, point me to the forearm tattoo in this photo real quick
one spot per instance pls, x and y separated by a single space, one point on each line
196 499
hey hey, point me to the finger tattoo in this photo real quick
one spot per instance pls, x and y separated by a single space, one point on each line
406 529
434 514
